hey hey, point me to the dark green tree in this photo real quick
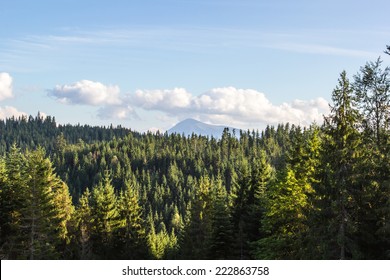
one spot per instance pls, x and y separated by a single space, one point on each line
372 87
339 191
105 217
84 227
13 198
197 233
221 238
130 237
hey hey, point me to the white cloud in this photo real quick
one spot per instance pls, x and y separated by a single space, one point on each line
249 108
112 105
119 112
165 100
87 93
243 108
9 111
5 86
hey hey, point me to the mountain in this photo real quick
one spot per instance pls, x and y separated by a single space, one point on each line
189 126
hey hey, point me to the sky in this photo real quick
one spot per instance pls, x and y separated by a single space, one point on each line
148 64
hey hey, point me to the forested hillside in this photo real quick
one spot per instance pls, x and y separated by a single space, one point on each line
288 192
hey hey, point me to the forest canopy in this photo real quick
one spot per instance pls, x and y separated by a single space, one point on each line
287 192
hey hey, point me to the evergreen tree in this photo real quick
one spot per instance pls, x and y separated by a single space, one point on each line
130 237
372 87
196 239
339 190
221 237
40 211
105 217
13 191
261 177
84 222
36 207
159 242
241 210
3 181
284 222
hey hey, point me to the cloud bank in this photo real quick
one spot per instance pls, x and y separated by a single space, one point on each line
163 100
246 108
5 86
87 92
117 112
243 108
112 105
9 111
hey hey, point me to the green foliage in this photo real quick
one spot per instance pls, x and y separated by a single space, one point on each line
321 192
197 234
36 207
104 217
221 237
130 237
284 222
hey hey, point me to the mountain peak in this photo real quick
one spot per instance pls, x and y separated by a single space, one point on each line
190 126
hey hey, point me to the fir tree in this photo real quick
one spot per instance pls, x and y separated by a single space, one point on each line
339 190
84 222
221 237
130 237
196 239
105 217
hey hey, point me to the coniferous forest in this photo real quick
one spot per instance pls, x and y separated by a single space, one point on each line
287 192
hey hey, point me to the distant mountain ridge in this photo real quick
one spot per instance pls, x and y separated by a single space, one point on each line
189 126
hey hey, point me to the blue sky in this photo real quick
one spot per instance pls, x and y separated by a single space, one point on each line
149 64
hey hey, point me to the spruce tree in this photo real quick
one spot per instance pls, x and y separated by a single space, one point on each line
84 222
13 198
284 222
47 210
196 239
338 192
372 89
3 181
261 176
105 217
130 237
241 210
221 237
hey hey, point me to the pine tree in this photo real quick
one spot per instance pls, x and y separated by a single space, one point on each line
65 210
338 192
3 181
196 239
261 176
284 222
105 217
372 87
39 211
240 210
84 222
130 237
14 188
221 237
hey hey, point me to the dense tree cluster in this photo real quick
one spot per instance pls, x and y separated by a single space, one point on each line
322 192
